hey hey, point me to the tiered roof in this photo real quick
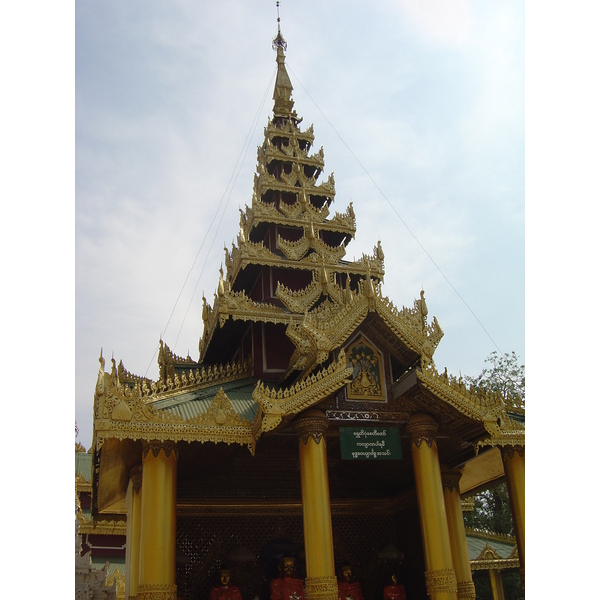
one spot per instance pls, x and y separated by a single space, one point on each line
289 238
288 307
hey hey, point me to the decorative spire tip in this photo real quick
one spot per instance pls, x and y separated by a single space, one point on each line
279 40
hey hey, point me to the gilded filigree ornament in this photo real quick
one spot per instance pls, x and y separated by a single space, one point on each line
277 404
155 446
312 424
451 480
367 376
422 428
489 408
157 592
163 426
117 578
321 588
441 581
297 249
465 590
509 451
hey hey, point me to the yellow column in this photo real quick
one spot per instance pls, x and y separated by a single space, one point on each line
496 584
514 469
133 502
458 537
440 578
321 581
158 522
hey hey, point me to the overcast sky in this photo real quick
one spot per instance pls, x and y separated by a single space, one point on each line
419 107
427 95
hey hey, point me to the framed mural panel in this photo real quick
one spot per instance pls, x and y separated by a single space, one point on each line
368 381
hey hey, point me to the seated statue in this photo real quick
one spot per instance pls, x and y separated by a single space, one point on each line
348 589
395 591
287 587
225 591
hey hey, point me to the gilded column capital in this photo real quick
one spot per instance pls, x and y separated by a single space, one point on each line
321 588
466 590
311 423
509 451
442 581
421 426
136 477
451 479
155 446
157 592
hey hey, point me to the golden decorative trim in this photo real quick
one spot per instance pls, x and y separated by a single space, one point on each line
321 588
298 214
467 504
247 253
368 381
490 559
488 408
297 249
119 578
157 592
311 424
329 325
275 404
253 507
135 474
509 451
421 427
151 425
442 581
155 446
102 527
450 480
503 538
465 590
219 423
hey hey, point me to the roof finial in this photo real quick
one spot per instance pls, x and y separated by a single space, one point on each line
279 41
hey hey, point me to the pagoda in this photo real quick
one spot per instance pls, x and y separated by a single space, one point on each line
314 422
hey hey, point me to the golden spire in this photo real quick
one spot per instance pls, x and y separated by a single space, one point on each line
282 94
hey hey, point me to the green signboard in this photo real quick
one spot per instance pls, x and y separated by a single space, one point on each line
370 443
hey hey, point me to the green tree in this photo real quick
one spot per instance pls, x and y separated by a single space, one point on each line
504 375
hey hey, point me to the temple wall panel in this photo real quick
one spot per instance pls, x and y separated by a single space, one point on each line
206 542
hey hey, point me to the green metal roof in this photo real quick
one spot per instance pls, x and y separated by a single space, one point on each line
194 403
83 465
476 545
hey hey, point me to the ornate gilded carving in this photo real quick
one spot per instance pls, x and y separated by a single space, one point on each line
451 480
158 426
488 408
220 413
321 588
367 375
135 474
509 451
275 404
157 592
155 446
117 578
489 558
297 249
465 590
421 427
313 424
442 581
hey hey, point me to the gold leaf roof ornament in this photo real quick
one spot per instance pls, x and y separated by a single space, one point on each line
282 94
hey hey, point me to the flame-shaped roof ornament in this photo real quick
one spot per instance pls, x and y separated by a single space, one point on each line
282 94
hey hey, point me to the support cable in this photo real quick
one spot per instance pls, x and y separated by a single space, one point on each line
230 185
395 211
